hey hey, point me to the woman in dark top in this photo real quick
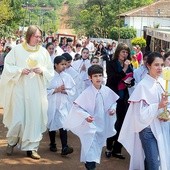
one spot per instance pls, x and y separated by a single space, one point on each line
119 78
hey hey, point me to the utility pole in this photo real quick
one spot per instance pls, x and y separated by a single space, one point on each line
119 20
24 18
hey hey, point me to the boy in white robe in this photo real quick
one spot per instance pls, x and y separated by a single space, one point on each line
92 117
74 74
60 89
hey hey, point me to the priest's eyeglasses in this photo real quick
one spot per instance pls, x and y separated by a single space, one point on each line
36 36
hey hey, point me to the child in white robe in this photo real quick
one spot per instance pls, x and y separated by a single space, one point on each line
92 117
141 72
61 87
74 74
82 66
95 60
143 133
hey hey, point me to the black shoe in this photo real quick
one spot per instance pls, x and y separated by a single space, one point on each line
108 153
118 155
67 150
9 149
53 148
90 165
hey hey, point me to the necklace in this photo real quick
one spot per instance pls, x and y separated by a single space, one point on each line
29 48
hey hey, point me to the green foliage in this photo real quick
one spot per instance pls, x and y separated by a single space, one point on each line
95 18
46 19
114 33
139 41
125 33
5 30
53 3
5 12
98 17
15 13
18 14
7 15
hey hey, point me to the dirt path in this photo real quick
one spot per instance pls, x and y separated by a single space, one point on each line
64 27
50 160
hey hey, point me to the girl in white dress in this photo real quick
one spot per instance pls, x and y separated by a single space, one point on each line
61 87
143 133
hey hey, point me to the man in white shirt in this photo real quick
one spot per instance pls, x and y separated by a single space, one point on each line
90 46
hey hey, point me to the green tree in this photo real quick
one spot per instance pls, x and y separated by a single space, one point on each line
6 15
15 13
97 17
5 12
18 14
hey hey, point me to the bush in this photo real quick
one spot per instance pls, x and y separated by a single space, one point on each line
125 33
139 41
113 34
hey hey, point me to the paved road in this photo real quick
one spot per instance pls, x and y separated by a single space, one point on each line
50 160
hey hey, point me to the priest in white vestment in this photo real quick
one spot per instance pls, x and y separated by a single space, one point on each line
27 71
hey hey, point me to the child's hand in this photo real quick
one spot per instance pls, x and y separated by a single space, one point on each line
60 89
63 92
83 68
111 112
90 119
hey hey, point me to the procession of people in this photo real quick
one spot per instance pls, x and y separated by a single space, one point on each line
106 93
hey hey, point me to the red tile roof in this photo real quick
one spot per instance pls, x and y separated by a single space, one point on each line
160 8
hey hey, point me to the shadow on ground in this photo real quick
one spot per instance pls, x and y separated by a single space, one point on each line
51 160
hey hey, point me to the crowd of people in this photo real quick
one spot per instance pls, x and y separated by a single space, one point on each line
107 94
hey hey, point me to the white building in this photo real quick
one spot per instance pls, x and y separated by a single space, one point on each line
154 15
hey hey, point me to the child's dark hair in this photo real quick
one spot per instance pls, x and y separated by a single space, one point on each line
67 56
95 69
58 59
166 55
78 45
93 58
77 57
146 54
48 44
85 48
151 57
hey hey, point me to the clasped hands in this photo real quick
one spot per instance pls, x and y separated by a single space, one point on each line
83 68
36 70
91 118
60 89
